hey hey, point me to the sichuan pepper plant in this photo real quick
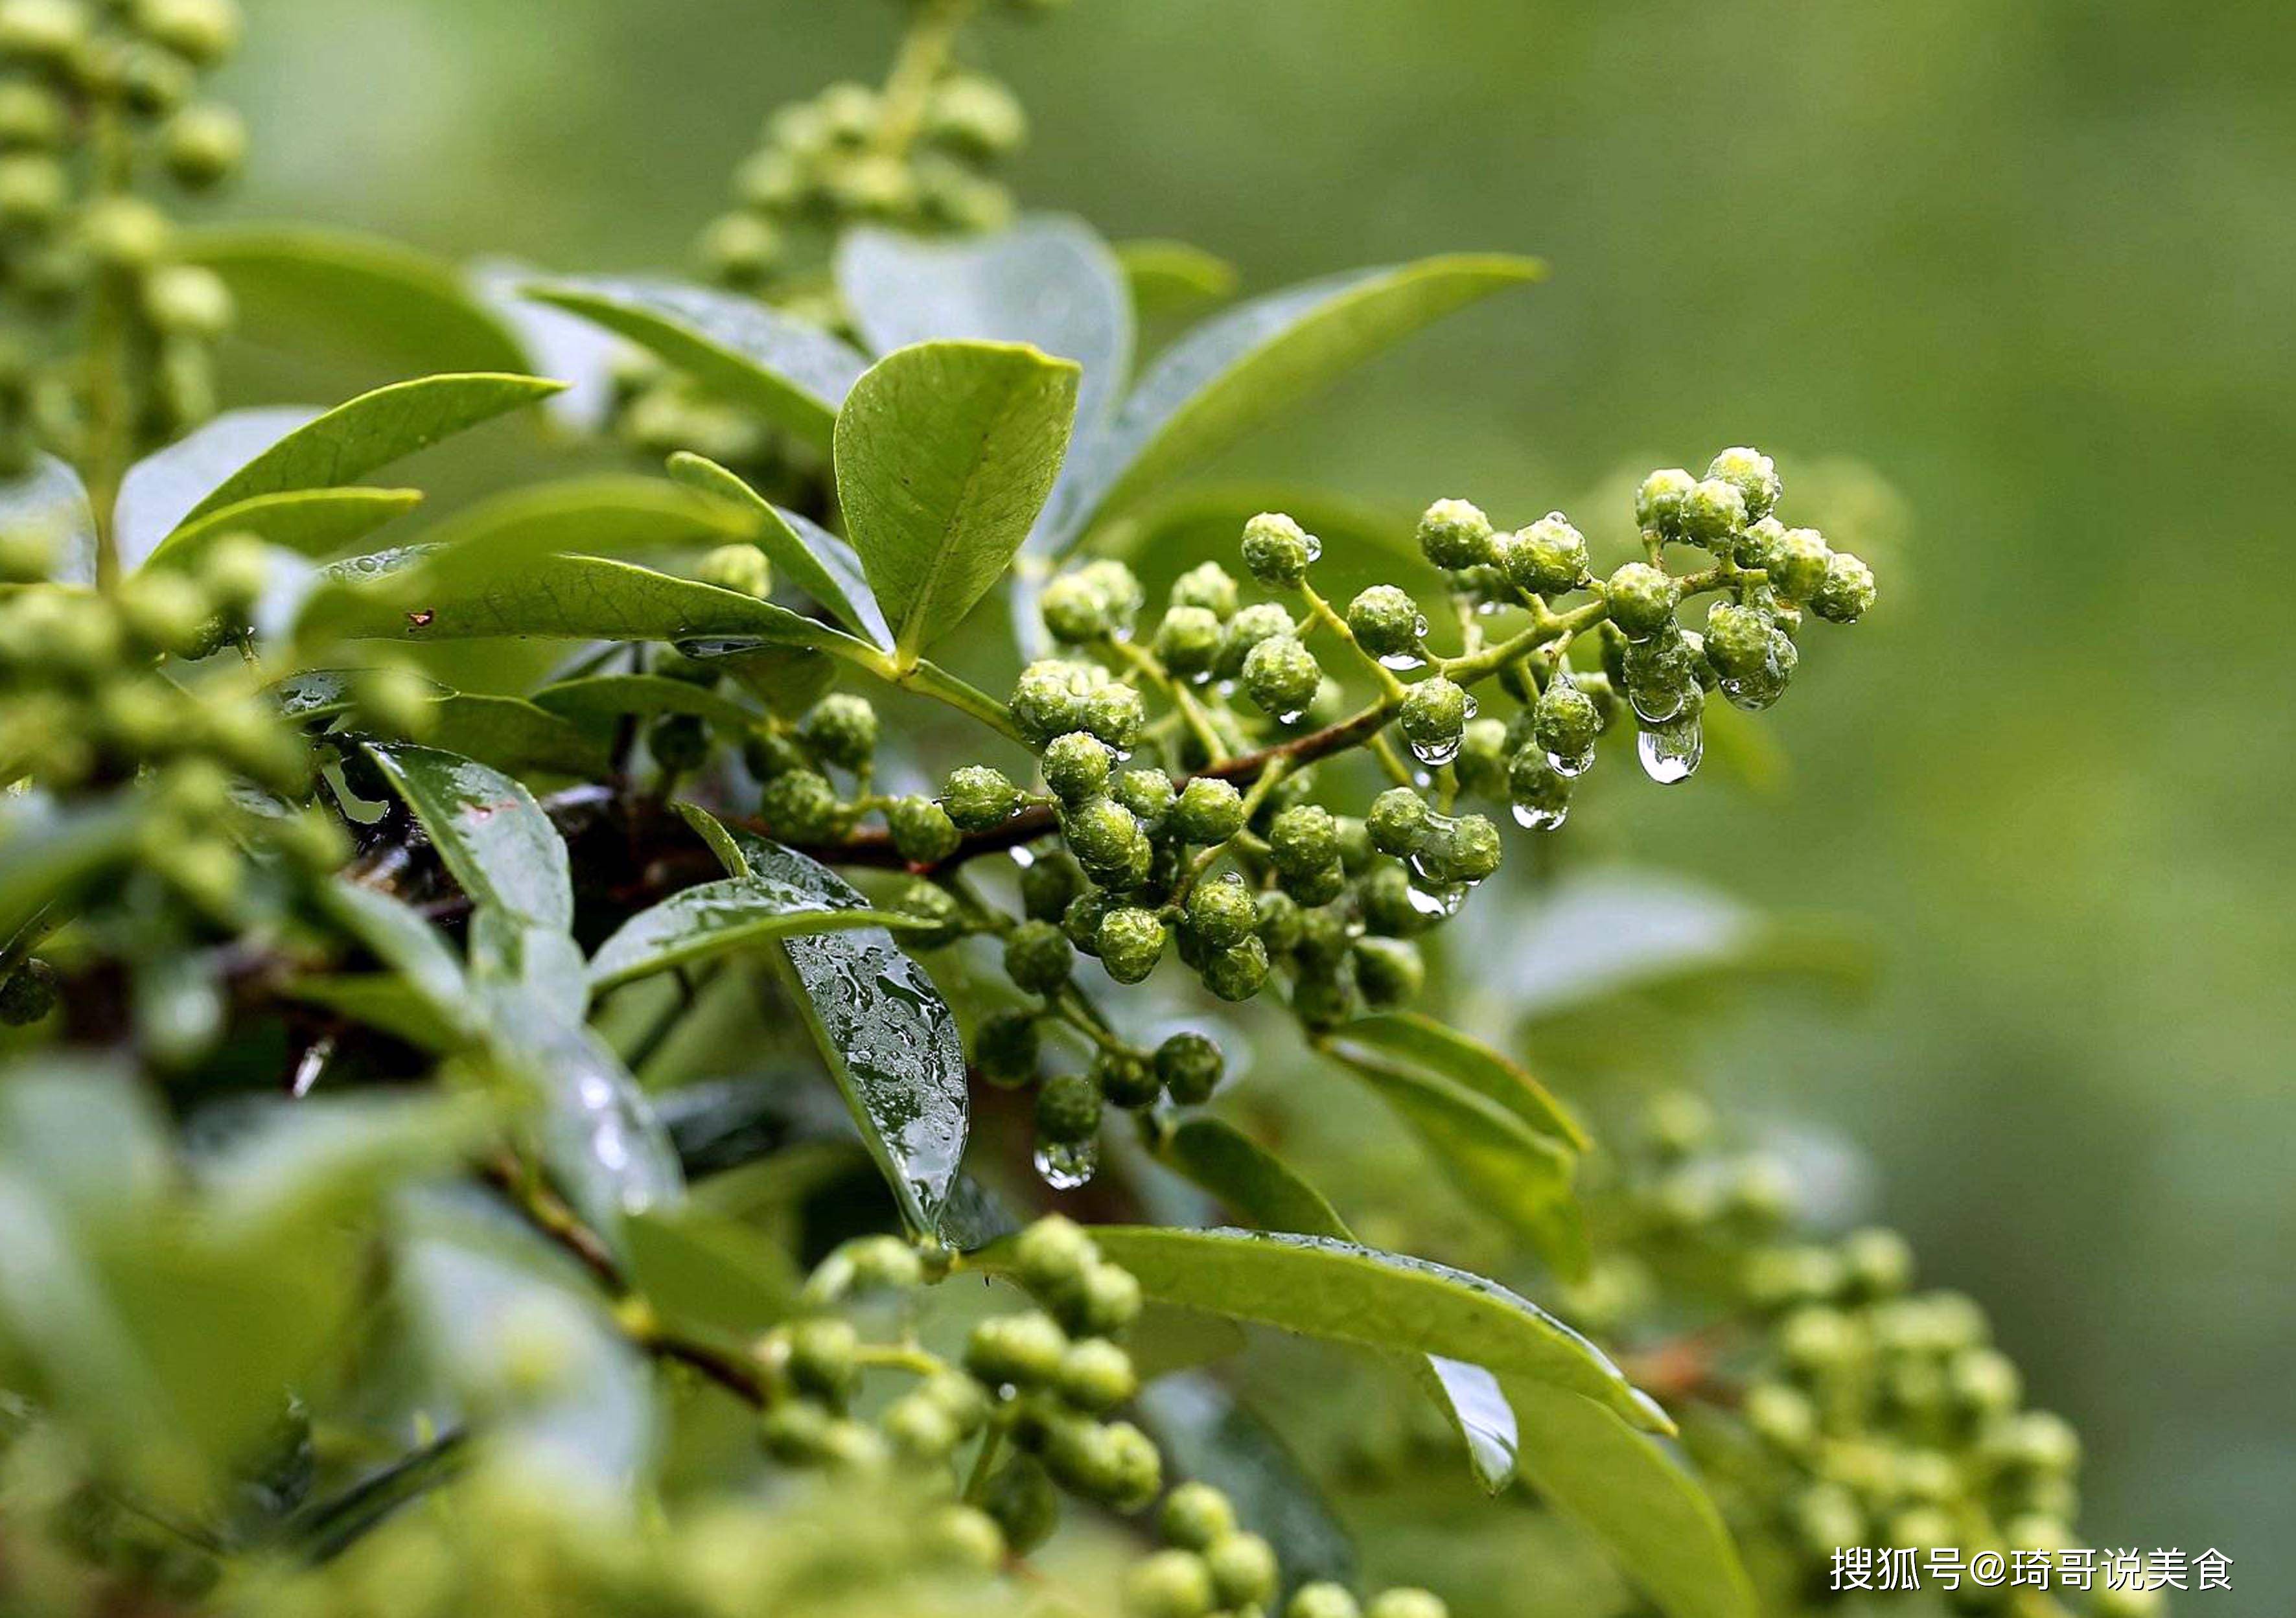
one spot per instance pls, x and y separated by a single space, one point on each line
734 1102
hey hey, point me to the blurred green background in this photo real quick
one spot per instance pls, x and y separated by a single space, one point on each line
2029 260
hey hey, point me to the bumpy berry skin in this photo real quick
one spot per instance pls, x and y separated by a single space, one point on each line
769 755
1238 973
1798 562
1045 702
1038 958
1546 558
802 806
1127 1079
1024 1504
742 569
1075 611
1434 715
1454 534
1661 501
1565 721
1131 942
1737 641
1208 810
1714 515
1105 837
1052 1255
1281 675
1188 640
822 1356
1221 914
1397 821
1389 970
1243 1570
1277 551
1322 1599
28 994
922 832
1148 793
1482 761
1076 767
979 799
1207 586
1190 1067
1261 620
1095 1376
1303 838
1168 1584
1536 787
1024 1351
1067 1108
1753 474
842 729
1386 621
1469 851
1848 592
1643 599
1116 715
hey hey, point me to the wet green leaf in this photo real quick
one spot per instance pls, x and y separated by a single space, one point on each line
417 952
1165 276
489 830
1253 363
311 523
708 1275
1631 1494
720 918
609 514
816 560
515 735
1322 1287
1420 1040
304 287
944 454
794 374
163 489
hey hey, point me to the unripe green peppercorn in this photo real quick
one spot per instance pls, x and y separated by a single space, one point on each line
31 115
1130 943
1397 822
1737 641
842 729
1469 851
1545 559
1661 501
1188 640
1389 970
1106 1302
1005 1049
1076 767
979 799
1243 1570
1168 1584
1481 765
1281 675
1196 1516
1238 972
1075 611
1102 836
1116 715
1303 838
1433 717
1148 793
1386 622
823 1357
740 249
1565 721
1402 1603
922 832
1038 958
919 1428
1642 599
1390 907
1052 1255
1540 792
1046 702
802 806
1714 515
1067 1107
187 301
1207 586
1095 1376
200 31
1208 810
1080 921
1848 592
1753 474
1024 1504
1049 886
203 146
1190 1066
1277 551
34 192
1317 885
1454 534
1322 1599
1127 1079
1221 914
742 569
1024 1350
1246 630
28 993
1797 563
41 30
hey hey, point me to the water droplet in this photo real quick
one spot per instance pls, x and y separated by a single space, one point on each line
1657 707
1403 659
1435 755
1437 899
1571 766
1541 817
1670 752
1067 1166
1024 857
1314 548
1289 716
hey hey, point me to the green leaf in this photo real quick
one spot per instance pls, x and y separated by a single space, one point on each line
1252 364
1048 282
888 1037
310 522
49 496
944 454
53 853
372 431
601 699
708 1275
1257 1185
306 1163
550 598
820 563
1632 1494
611 514
1208 1437
417 952
1412 1037
493 836
515 735
1502 1168
720 918
794 374
1322 1287
379 1000
162 491
1166 275
300 287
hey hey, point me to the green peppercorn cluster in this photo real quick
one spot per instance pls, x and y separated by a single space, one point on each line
1838 1406
1210 1566
91 96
